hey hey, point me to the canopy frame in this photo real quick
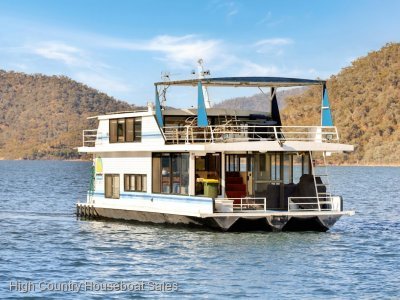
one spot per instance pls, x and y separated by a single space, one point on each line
258 82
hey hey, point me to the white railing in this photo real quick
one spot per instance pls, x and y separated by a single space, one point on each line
327 203
89 137
244 133
241 204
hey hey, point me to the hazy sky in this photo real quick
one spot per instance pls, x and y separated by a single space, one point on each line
121 47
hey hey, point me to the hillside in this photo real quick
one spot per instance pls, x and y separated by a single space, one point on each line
365 101
43 116
260 101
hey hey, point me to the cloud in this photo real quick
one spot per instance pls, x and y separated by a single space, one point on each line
83 67
177 50
273 45
274 42
268 21
249 68
59 51
67 54
267 18
102 82
229 8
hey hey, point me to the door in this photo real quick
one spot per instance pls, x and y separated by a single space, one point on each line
207 167
238 175
111 189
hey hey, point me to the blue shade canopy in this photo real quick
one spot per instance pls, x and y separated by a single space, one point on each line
246 82
201 107
158 111
326 116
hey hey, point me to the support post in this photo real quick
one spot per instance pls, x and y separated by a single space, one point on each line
202 120
274 108
158 111
326 116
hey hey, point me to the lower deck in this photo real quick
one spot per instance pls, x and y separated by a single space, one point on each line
223 187
237 221
272 179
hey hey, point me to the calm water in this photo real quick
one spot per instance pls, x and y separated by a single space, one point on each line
41 241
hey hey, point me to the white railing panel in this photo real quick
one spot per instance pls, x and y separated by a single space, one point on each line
89 137
241 204
327 203
241 133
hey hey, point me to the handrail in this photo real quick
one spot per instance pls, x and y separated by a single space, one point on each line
239 133
247 203
331 203
89 137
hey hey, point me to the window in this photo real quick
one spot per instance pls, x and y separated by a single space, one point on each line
130 125
276 163
171 173
111 187
125 130
135 183
113 130
287 168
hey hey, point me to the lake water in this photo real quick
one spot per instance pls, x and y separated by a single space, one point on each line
42 242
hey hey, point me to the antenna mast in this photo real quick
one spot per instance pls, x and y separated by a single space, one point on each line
202 74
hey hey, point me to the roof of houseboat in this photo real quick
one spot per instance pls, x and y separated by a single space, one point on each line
245 82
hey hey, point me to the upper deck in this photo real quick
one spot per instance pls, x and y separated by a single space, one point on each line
247 131
211 129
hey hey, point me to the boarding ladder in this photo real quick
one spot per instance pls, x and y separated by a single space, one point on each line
321 182
91 184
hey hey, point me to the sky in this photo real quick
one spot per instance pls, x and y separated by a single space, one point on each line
122 47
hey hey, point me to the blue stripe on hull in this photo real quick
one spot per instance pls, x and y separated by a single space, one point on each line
174 198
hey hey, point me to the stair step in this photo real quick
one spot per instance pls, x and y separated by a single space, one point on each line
234 180
236 187
235 195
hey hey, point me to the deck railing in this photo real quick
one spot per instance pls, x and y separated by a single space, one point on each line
328 203
89 137
244 133
234 133
243 204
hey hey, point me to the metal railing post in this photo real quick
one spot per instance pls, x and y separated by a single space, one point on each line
212 134
187 135
276 134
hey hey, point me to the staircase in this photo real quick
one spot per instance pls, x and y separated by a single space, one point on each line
321 182
235 188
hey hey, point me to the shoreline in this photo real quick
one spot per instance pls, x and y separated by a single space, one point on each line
363 165
89 160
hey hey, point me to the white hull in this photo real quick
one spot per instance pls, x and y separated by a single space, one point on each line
266 221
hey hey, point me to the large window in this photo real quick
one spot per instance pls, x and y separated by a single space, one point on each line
125 130
135 183
171 173
111 187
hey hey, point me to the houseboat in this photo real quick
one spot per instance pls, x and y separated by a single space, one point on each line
227 169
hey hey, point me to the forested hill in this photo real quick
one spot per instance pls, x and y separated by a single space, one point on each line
260 101
365 101
43 116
